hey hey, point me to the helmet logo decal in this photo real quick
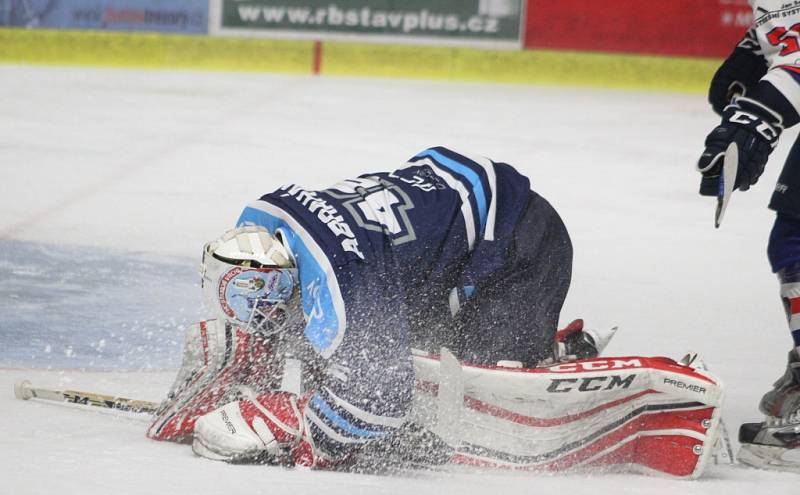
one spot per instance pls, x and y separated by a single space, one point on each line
243 289
223 286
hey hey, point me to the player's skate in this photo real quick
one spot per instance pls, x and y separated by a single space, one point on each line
775 443
577 342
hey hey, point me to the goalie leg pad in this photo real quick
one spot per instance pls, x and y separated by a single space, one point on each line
649 415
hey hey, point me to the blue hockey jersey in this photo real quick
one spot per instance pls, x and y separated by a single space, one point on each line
440 225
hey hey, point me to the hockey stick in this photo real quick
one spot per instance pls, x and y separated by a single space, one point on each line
724 436
727 179
24 390
726 442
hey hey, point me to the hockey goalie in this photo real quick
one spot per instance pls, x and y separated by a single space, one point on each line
409 318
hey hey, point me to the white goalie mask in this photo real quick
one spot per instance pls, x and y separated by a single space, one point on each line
249 277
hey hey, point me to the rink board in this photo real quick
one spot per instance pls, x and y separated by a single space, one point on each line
146 50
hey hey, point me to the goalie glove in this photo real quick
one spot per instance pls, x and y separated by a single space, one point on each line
217 357
266 429
755 128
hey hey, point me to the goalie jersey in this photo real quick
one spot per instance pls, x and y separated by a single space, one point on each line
373 250
388 259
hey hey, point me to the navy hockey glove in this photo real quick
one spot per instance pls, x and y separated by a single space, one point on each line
755 128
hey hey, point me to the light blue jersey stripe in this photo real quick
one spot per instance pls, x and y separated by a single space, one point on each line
342 423
472 177
321 295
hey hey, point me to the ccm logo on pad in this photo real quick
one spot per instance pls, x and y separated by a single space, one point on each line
589 383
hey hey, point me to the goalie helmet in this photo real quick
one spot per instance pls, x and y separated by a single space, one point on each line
249 276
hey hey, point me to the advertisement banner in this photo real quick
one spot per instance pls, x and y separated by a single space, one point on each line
454 22
707 28
185 16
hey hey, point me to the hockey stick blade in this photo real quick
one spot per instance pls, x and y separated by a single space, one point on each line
727 179
24 390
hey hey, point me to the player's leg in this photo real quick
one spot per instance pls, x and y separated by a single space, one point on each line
514 316
763 444
784 255
365 398
784 252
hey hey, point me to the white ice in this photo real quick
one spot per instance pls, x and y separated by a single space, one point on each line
109 165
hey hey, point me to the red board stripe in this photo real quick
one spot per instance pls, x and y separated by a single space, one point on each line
317 62
707 28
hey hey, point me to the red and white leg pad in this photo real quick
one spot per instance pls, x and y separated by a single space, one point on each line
641 414
268 428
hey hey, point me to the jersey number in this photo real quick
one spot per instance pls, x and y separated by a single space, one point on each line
377 208
780 36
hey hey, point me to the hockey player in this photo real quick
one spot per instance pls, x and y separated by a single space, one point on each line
757 93
453 250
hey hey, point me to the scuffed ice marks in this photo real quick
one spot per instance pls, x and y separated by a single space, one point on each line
70 307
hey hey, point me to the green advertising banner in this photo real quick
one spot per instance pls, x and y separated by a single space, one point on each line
443 21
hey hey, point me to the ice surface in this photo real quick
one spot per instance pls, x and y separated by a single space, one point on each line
111 181
81 307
